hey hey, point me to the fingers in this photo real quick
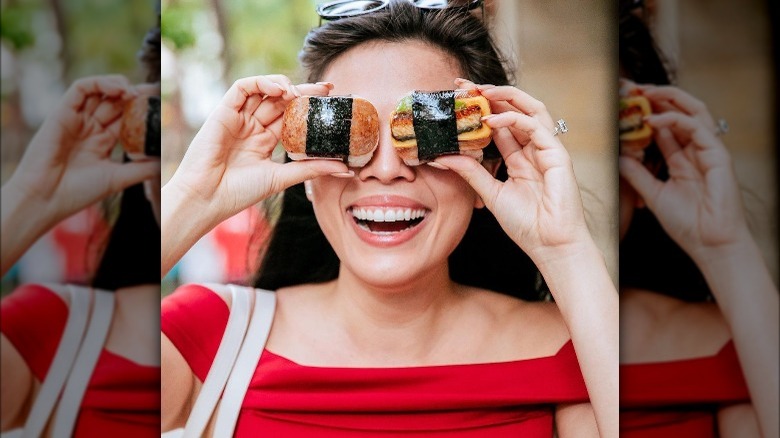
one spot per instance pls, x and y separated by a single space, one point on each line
666 142
268 110
524 125
111 86
670 98
296 172
685 128
242 89
675 97
640 179
134 172
475 174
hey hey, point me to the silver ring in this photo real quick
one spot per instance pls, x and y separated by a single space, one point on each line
722 127
560 127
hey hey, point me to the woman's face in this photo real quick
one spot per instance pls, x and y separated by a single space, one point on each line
393 252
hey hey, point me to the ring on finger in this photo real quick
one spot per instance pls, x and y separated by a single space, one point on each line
560 127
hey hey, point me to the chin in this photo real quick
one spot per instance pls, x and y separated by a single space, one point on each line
388 273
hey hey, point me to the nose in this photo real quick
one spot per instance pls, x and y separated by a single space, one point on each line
386 166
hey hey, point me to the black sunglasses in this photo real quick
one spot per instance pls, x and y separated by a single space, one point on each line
350 8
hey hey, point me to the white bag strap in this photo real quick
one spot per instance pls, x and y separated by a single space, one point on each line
78 315
220 369
248 357
91 347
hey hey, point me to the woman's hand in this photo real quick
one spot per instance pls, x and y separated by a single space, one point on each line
699 206
67 165
539 206
228 165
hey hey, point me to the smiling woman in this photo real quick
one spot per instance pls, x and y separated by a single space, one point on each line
370 332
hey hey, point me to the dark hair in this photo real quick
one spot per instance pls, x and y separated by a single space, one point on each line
132 253
298 251
649 259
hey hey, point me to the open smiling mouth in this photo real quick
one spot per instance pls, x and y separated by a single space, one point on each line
387 220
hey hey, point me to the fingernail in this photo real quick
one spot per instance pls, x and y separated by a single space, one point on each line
437 165
295 91
279 86
487 117
485 86
460 80
327 84
350 174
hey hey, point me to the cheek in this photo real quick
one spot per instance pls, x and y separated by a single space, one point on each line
455 199
325 198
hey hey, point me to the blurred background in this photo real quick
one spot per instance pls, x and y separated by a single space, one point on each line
44 46
209 44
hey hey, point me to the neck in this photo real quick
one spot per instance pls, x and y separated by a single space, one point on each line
398 323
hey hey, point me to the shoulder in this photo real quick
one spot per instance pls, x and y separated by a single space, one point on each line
33 318
196 298
661 328
515 329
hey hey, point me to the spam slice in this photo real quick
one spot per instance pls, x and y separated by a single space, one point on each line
336 127
139 132
426 125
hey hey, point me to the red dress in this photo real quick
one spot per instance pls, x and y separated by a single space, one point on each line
122 398
679 398
506 399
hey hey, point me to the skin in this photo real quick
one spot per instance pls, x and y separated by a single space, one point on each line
701 209
65 168
397 307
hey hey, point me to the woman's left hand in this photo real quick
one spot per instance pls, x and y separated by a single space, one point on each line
539 206
699 206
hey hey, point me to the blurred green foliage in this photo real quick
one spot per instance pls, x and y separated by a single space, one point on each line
15 28
262 37
177 27
98 36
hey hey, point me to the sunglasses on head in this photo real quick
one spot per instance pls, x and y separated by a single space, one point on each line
339 9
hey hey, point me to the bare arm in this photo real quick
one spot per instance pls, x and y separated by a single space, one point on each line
16 386
178 386
748 299
738 421
575 421
228 166
588 303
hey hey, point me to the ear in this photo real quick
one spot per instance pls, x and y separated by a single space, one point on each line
308 189
492 166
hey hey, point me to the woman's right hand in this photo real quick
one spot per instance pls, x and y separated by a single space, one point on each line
67 166
228 165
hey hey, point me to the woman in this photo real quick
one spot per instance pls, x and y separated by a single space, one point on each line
122 397
682 356
391 343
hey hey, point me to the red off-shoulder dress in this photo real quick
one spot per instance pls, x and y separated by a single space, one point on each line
122 398
679 399
506 399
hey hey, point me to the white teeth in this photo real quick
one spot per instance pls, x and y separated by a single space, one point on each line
387 215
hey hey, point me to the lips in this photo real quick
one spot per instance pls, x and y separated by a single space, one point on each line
387 220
